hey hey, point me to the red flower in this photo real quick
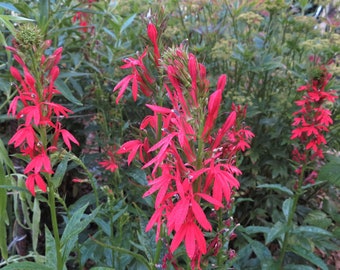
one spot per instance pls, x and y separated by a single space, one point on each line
109 164
152 33
193 238
214 105
38 134
135 77
35 179
132 147
24 134
39 163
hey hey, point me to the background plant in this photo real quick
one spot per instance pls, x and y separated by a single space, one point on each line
263 47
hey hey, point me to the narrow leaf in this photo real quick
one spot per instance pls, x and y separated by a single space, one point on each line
60 172
277 187
63 88
277 231
50 251
26 266
77 223
35 223
309 256
286 207
127 23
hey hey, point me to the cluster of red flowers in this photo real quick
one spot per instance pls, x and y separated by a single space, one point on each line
83 18
312 120
38 132
192 163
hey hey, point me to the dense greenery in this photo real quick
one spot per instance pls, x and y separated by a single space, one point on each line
267 49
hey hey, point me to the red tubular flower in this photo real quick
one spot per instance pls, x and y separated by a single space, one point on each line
312 120
110 163
37 117
152 33
214 105
190 168
139 77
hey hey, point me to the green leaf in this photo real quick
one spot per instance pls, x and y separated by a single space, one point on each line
261 251
309 256
60 172
101 268
9 7
330 172
44 12
256 229
3 214
26 266
318 218
286 207
6 20
77 223
63 88
50 251
277 187
72 74
4 158
297 267
127 23
138 175
36 223
312 232
277 231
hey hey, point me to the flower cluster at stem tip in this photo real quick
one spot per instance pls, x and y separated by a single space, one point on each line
192 162
39 129
311 121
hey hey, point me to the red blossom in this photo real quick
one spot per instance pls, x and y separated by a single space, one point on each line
38 134
110 163
152 33
311 122
34 179
191 161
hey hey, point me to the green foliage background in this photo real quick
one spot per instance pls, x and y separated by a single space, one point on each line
264 48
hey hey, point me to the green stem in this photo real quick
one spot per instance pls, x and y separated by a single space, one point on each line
220 254
138 257
52 205
291 217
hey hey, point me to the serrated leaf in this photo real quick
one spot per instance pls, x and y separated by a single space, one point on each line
26 266
50 251
66 92
77 223
261 251
318 218
60 172
312 232
36 223
277 231
309 256
286 207
330 172
256 229
277 187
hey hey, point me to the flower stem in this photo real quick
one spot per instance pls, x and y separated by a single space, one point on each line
291 217
52 205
